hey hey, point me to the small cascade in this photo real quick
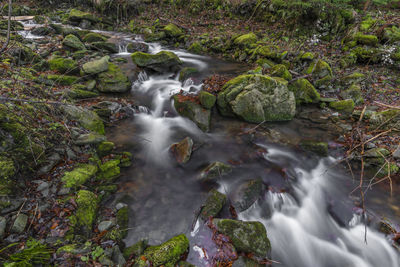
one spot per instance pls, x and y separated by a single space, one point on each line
123 49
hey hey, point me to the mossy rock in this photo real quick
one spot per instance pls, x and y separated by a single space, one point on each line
126 159
355 77
135 250
367 24
281 71
213 205
245 40
113 80
367 54
193 111
163 61
96 66
94 37
346 106
79 175
7 171
391 34
197 48
304 91
173 31
63 65
307 56
366 39
186 73
86 118
257 98
86 212
387 119
109 171
61 79
247 237
105 148
76 15
76 93
168 253
214 171
321 72
123 220
104 47
319 148
207 100
73 43
353 92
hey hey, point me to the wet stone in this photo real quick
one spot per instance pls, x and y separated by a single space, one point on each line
247 194
182 150
20 223
214 171
213 205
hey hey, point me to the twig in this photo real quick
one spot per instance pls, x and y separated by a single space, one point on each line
386 105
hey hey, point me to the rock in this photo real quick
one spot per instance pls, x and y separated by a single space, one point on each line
245 40
113 80
346 106
247 237
43 187
123 220
20 223
163 61
137 47
307 56
214 171
376 156
105 47
354 93
387 119
63 65
89 139
126 159
105 225
213 205
72 42
105 148
365 39
94 37
85 24
135 250
355 77
76 15
257 98
173 31
117 257
120 206
3 224
168 253
109 170
281 71
320 148
186 73
86 118
396 153
304 92
207 100
193 111
86 212
79 176
78 91
182 150
197 48
96 66
321 72
247 194
42 31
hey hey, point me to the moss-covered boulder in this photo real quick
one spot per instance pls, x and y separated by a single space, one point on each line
213 205
109 170
79 175
73 43
321 73
105 47
113 80
79 92
86 118
304 91
346 106
86 212
94 37
193 111
257 98
354 93
163 61
366 39
63 65
247 237
307 56
245 40
96 66
319 148
173 31
214 171
168 253
197 48
76 15
281 71
207 100
246 194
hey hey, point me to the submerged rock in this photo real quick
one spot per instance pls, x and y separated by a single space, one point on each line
214 171
248 237
182 150
193 111
113 80
257 98
213 205
163 61
320 148
247 194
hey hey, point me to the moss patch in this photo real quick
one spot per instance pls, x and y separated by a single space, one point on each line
79 175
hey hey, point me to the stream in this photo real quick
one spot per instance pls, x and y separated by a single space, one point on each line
306 208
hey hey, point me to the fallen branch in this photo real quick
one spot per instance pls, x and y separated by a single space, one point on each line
386 105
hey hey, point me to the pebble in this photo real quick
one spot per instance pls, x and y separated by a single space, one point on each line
20 223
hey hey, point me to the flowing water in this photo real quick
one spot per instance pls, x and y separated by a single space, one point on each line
306 208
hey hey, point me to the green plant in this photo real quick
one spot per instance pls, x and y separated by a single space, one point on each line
33 253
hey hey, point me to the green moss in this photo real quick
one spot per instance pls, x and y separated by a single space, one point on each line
392 34
61 79
320 148
213 205
109 170
355 77
207 100
79 175
370 40
307 56
77 15
321 73
94 37
34 253
304 91
353 92
193 111
113 80
126 159
162 61
135 250
173 31
280 71
87 119
265 52
63 65
343 105
71 248
105 148
366 55
7 171
186 73
387 119
123 220
87 210
72 42
197 48
367 24
168 253
245 40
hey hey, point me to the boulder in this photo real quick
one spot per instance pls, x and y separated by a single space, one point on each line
354 93
245 40
86 212
213 205
173 31
207 100
182 150
346 106
247 237
42 31
76 15
186 73
214 171
257 98
63 65
136 249
163 61
321 73
281 71
304 91
86 118
113 80
355 77
137 47
96 66
109 170
94 37
319 148
192 110
79 175
104 47
73 43
247 194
